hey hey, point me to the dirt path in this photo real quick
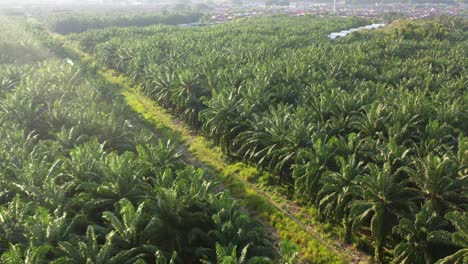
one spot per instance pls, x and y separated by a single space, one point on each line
291 209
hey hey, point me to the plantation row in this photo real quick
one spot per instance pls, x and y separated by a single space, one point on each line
370 129
17 45
82 182
80 22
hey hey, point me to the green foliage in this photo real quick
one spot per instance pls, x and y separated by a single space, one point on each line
81 181
289 252
459 238
419 236
311 249
368 128
17 44
80 22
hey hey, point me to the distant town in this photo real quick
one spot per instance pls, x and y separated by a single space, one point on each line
232 9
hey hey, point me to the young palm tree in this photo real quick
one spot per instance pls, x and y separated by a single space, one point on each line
229 256
16 254
87 250
159 157
276 139
22 108
418 236
13 220
10 78
162 258
69 138
234 228
459 238
131 231
373 121
123 179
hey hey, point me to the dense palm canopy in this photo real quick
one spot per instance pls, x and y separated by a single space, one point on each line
83 21
81 182
371 128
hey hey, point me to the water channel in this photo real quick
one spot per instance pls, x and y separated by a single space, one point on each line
343 33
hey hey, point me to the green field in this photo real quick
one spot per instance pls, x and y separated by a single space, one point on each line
333 148
83 181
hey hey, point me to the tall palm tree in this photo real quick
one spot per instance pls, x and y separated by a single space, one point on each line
221 117
339 190
439 182
383 197
276 139
187 96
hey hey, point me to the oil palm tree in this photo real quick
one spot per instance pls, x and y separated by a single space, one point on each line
162 258
383 197
317 160
439 182
159 86
419 235
17 254
221 117
10 78
174 222
131 231
187 96
339 190
232 228
229 256
68 138
459 238
22 107
123 179
160 156
276 139
86 250
373 121
13 220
